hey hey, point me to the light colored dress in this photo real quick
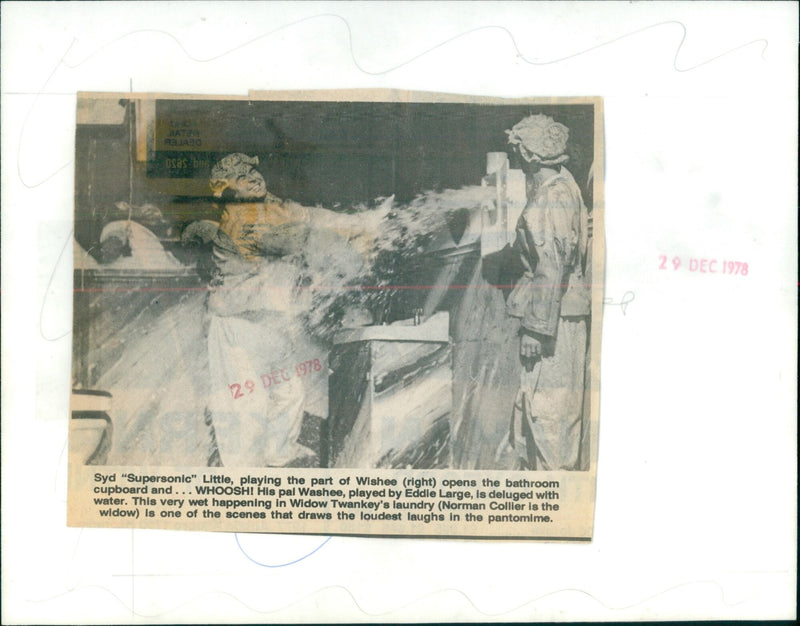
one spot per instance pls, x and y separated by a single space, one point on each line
255 335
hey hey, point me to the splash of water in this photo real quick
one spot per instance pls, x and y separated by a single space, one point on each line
359 270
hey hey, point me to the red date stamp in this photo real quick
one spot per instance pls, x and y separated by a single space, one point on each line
704 266
274 378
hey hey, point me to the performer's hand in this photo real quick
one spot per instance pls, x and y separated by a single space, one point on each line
530 347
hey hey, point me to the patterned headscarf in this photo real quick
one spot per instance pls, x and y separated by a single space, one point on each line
540 139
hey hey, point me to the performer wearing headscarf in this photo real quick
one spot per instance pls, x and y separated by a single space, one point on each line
266 370
551 300
255 337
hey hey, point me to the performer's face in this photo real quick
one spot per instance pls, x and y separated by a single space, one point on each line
246 186
530 167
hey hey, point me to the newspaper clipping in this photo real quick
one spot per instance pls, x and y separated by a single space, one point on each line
359 312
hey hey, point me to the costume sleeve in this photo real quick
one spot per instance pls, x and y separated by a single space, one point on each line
544 243
359 230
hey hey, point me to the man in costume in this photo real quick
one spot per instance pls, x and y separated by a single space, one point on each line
551 301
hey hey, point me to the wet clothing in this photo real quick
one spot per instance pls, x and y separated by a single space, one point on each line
255 335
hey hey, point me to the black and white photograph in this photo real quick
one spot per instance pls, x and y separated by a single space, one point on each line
338 284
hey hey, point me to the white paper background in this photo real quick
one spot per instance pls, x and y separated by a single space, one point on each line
696 502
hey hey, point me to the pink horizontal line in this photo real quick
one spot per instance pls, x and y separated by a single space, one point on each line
340 288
